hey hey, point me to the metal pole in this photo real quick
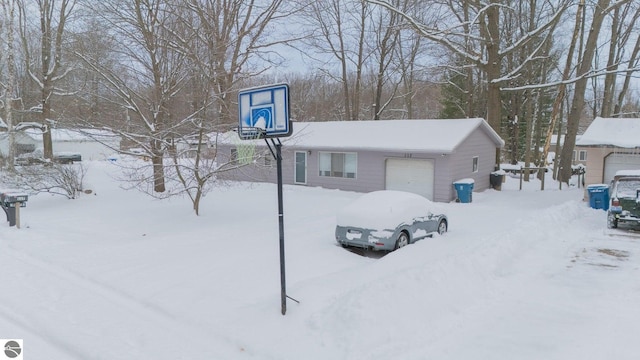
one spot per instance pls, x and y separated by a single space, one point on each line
521 171
283 286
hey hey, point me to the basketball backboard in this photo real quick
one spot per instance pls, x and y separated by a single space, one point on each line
263 112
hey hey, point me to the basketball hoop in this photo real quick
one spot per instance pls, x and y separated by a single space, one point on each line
250 132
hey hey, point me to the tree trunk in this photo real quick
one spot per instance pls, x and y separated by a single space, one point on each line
577 105
557 104
9 11
612 65
633 62
158 173
493 70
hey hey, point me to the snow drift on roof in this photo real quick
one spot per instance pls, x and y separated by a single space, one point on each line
76 135
433 135
621 132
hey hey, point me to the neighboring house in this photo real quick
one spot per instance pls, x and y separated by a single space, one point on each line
610 144
24 143
420 156
91 144
579 156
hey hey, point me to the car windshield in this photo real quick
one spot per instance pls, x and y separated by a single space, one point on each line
627 188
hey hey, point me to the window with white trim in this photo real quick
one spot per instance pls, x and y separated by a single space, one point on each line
582 156
342 165
475 164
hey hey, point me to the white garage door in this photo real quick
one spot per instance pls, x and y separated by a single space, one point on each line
412 175
615 162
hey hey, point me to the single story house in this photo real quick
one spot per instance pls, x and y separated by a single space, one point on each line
611 144
421 156
23 143
91 144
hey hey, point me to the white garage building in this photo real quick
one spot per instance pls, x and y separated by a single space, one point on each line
611 144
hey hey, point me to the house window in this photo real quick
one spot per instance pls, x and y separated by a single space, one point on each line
575 155
342 165
582 155
475 164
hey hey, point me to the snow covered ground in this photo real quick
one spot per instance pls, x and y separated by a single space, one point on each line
117 275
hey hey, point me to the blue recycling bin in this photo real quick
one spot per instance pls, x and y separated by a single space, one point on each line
598 196
464 189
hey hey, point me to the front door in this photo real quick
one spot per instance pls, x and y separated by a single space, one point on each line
301 168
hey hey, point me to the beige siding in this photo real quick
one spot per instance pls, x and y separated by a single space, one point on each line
595 163
596 157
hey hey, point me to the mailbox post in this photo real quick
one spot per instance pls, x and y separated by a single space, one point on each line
11 201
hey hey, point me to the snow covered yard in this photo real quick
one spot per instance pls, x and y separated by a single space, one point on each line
117 275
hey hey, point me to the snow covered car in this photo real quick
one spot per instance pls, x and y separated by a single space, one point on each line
624 207
388 220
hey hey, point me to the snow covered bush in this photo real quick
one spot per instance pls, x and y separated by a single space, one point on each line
54 178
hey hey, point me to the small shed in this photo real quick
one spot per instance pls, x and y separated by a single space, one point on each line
611 144
419 156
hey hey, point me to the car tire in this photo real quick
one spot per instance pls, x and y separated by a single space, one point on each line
612 222
403 240
442 227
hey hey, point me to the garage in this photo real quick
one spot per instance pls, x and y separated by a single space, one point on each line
412 175
620 161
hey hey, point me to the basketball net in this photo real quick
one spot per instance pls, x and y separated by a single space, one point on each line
246 147
246 151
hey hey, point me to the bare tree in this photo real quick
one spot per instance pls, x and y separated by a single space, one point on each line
337 33
623 28
53 21
601 10
471 30
150 77
232 43
386 30
8 8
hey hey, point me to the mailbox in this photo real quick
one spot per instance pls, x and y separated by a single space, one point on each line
8 201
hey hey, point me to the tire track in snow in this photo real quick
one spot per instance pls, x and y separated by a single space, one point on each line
65 347
137 322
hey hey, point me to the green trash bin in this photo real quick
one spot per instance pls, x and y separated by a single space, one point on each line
496 179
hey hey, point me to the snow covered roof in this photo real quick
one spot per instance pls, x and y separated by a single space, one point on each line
433 135
76 135
620 132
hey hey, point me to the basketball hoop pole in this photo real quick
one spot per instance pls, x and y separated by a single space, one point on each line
283 282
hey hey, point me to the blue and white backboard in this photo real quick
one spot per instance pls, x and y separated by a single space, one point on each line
265 108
